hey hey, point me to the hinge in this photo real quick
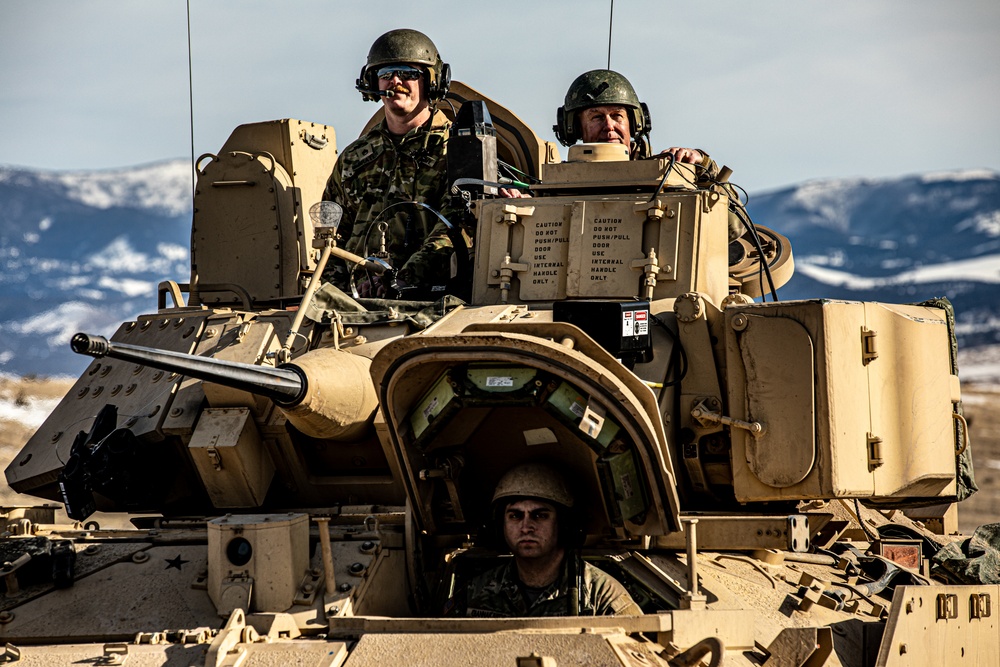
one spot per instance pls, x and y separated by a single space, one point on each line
874 452
869 351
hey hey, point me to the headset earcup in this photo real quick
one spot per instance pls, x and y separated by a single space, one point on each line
438 90
363 84
563 129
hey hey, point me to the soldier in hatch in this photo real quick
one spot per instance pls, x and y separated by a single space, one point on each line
601 106
393 180
546 577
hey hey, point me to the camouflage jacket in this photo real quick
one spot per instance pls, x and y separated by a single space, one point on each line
499 592
375 179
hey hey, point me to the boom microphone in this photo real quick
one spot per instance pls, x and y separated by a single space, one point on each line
380 93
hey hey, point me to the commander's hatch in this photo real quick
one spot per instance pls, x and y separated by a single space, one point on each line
464 406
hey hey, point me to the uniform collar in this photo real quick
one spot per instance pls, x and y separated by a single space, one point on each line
439 121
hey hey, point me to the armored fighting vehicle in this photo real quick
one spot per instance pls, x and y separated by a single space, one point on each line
309 475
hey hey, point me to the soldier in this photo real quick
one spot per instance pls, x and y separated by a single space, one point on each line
392 181
546 577
601 106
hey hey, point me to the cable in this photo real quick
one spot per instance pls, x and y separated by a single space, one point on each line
512 168
677 353
670 168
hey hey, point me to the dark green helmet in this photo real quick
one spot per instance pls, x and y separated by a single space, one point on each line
409 47
600 87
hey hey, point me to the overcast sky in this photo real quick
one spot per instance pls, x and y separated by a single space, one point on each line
782 92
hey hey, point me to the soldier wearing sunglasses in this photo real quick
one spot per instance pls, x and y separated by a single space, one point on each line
392 181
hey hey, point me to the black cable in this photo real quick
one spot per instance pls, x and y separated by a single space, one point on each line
677 354
751 228
670 168
857 509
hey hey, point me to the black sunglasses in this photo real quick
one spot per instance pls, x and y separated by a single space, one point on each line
402 72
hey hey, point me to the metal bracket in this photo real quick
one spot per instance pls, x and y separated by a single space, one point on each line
979 605
114 654
947 606
869 350
874 452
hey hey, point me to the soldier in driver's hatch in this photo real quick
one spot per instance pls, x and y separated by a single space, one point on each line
546 577
396 171
601 106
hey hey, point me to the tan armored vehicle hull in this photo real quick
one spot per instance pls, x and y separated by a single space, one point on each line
315 477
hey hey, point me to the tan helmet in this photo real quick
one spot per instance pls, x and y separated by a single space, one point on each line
534 480
405 46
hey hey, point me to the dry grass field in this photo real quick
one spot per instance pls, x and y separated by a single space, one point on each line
25 401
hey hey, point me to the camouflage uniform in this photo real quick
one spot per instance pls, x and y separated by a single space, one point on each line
379 171
498 592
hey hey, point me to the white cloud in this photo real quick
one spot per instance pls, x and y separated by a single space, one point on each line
56 326
127 286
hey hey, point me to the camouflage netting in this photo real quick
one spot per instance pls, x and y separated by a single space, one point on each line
972 561
329 302
966 479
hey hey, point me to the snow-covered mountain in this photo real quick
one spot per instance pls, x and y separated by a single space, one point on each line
83 251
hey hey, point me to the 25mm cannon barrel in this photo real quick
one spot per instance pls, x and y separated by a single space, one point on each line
285 386
325 393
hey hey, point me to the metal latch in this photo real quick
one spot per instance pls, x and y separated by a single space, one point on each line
114 654
947 606
313 141
874 452
869 351
979 605
214 458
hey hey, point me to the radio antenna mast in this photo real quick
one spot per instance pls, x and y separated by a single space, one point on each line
191 102
611 21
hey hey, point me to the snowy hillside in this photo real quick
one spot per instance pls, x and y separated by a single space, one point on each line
83 251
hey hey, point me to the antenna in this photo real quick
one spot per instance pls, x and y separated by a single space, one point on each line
611 20
194 176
